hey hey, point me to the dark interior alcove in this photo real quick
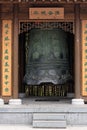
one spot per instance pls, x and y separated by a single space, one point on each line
46 89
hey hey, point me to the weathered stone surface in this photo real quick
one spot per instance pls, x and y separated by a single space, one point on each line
15 102
78 101
1 101
49 124
48 116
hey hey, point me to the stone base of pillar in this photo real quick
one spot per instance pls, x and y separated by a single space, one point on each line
78 101
15 102
1 101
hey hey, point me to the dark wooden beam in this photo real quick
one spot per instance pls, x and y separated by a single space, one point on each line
43 1
15 51
77 52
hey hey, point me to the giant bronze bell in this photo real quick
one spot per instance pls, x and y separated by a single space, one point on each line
48 57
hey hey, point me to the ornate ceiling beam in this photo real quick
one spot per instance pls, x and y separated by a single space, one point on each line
43 1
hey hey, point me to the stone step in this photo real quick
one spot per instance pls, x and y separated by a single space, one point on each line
49 124
48 116
49 120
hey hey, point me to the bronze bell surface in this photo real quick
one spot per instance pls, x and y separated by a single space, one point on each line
48 57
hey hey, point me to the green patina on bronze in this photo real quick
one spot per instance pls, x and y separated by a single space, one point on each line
48 57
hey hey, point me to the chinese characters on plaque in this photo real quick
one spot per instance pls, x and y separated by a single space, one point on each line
84 57
46 13
6 57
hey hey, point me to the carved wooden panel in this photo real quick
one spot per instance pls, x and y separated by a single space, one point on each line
6 57
46 13
84 57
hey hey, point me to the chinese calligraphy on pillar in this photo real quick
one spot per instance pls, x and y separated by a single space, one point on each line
84 57
46 13
6 57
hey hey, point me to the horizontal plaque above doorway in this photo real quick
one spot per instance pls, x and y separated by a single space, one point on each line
46 13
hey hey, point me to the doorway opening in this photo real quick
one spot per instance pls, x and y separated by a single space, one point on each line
46 89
